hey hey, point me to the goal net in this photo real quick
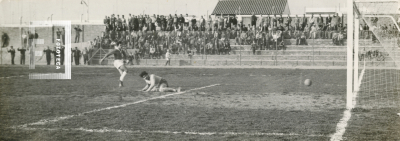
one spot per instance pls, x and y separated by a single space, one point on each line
379 54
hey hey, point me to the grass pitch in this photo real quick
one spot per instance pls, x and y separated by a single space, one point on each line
248 104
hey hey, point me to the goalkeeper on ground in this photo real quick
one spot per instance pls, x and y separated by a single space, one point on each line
156 83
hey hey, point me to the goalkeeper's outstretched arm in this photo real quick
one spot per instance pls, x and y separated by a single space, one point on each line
146 87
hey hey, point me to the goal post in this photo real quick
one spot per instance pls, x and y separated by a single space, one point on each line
349 89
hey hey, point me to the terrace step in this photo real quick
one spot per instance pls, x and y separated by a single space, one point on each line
327 42
260 57
161 62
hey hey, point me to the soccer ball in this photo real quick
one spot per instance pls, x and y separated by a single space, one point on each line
307 82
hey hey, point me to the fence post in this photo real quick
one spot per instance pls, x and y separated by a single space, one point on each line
313 51
240 57
100 54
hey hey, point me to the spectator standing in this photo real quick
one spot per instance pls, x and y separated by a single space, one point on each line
209 48
131 57
24 39
22 58
54 55
335 21
253 20
137 57
77 35
77 55
153 22
254 47
148 23
312 21
227 47
181 20
63 35
36 36
240 22
48 54
234 22
58 32
280 19
297 22
176 20
288 20
12 51
140 23
158 21
209 22
215 27
123 20
164 23
152 51
320 20
194 21
168 58
228 22
274 21
190 53
259 21
202 24
186 20
85 54
221 22
328 19
304 21
62 55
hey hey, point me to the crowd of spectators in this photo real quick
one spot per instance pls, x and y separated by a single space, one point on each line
372 55
154 35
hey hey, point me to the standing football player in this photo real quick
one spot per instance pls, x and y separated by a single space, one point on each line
119 61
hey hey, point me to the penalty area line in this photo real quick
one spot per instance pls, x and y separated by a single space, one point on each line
45 121
107 130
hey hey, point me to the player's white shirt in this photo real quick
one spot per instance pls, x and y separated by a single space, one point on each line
168 55
187 19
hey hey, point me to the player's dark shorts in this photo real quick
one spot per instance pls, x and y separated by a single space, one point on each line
163 82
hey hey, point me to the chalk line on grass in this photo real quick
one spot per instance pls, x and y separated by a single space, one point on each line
341 126
12 76
45 121
107 130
